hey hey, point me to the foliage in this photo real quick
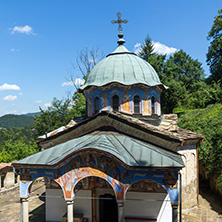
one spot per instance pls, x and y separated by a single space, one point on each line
16 144
11 120
60 113
214 54
208 122
185 78
146 49
55 116
79 105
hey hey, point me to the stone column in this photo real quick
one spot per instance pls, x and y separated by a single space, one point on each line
70 210
120 210
25 209
174 212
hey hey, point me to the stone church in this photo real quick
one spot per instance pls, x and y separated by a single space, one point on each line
124 161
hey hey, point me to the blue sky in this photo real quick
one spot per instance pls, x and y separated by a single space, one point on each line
39 40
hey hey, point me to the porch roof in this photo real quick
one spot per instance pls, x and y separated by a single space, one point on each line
131 151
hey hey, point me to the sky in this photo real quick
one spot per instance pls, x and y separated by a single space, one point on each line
40 40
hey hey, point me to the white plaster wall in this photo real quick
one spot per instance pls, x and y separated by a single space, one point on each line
165 213
83 204
55 207
148 205
189 176
99 192
189 172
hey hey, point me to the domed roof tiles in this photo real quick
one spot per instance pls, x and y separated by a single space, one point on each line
124 67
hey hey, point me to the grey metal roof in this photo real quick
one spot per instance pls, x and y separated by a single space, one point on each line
124 67
129 150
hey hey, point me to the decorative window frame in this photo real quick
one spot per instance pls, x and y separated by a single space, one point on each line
140 104
153 104
94 104
112 102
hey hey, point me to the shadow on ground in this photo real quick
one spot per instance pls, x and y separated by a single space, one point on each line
214 200
38 214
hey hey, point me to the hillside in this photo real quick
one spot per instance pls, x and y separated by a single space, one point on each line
11 120
207 122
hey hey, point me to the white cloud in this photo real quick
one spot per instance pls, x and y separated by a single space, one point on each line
163 49
28 30
14 50
7 86
10 98
137 48
38 101
11 112
78 82
67 83
47 104
20 93
159 48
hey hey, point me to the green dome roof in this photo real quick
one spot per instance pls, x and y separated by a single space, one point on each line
124 67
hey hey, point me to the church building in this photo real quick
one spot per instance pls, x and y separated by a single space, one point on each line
124 160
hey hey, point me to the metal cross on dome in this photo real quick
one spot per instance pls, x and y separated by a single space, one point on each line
119 21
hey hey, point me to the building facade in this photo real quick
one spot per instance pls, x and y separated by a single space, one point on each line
123 161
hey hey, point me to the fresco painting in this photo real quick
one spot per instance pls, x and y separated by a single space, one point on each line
146 103
126 102
147 186
105 101
96 164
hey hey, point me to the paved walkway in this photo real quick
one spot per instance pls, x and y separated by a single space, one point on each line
208 210
10 205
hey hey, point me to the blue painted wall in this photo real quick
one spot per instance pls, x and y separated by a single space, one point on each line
126 100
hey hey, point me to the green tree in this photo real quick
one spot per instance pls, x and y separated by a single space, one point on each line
207 122
214 54
146 49
57 115
79 105
181 67
15 145
183 75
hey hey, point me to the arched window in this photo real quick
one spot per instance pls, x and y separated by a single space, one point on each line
136 101
115 103
96 104
153 100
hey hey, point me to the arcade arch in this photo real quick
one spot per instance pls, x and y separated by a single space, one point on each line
98 195
149 200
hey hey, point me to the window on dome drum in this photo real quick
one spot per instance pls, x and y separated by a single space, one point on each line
153 100
136 101
115 103
96 104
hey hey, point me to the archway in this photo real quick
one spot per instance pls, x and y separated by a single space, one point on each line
36 199
46 200
146 199
95 200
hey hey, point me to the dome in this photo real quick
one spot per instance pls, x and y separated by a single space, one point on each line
124 67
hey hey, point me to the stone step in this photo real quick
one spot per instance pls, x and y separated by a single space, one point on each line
188 217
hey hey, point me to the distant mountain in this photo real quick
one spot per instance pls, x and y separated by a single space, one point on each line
31 114
11 120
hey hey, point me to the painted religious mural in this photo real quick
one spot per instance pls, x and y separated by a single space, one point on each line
125 98
118 175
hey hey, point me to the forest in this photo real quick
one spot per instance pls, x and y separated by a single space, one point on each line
196 98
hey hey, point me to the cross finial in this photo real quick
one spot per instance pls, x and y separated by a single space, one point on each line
119 21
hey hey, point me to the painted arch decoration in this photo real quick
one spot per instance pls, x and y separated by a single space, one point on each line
91 163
